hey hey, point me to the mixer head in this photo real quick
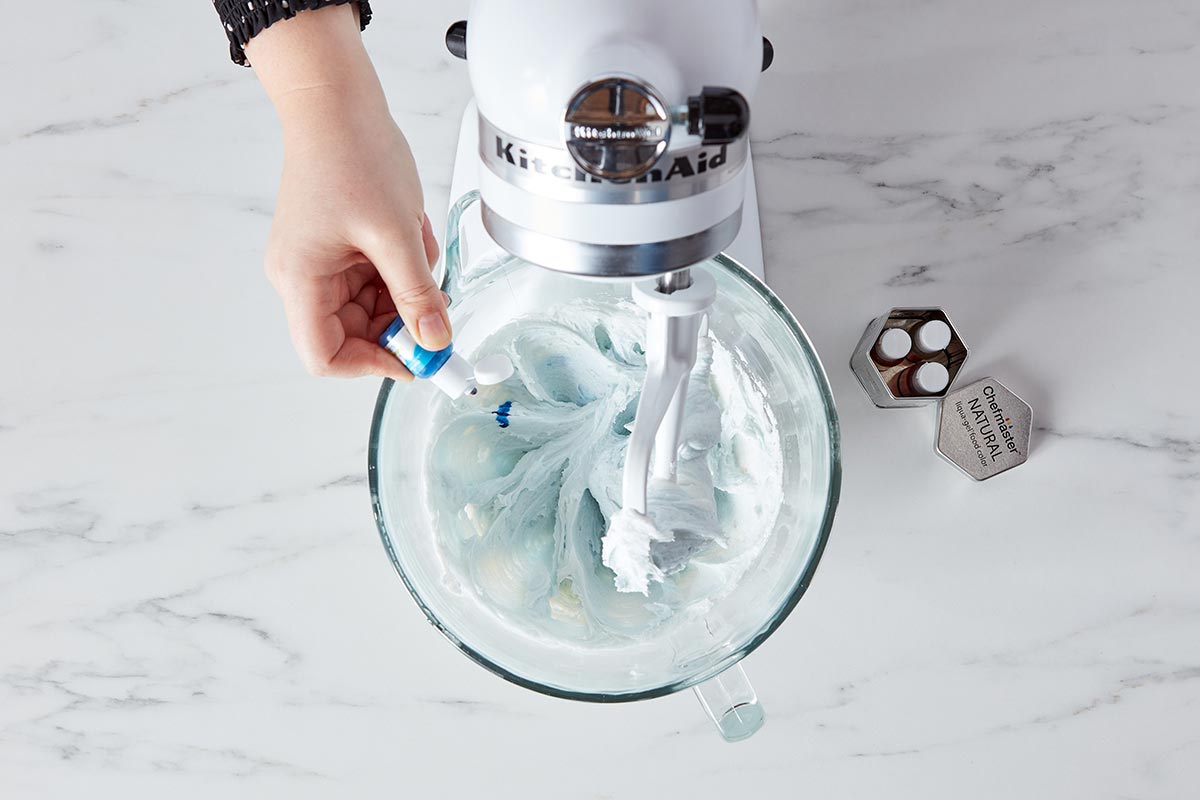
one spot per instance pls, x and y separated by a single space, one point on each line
613 135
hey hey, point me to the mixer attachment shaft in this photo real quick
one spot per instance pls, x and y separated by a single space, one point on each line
677 303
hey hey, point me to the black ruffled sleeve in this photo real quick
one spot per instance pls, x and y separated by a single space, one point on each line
243 19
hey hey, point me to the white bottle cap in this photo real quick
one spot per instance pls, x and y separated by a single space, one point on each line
931 378
933 337
493 369
893 345
455 376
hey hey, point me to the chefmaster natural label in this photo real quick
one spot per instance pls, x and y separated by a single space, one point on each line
984 429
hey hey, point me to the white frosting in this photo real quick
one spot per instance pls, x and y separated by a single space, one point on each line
627 550
529 516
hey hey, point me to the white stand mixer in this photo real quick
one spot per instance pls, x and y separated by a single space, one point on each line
619 152
609 140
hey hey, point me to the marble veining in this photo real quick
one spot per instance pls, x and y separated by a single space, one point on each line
193 599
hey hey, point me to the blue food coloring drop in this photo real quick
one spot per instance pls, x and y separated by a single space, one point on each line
502 413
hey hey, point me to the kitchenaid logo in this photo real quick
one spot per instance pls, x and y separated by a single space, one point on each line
615 134
995 428
684 165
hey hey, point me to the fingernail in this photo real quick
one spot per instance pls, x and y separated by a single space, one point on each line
433 331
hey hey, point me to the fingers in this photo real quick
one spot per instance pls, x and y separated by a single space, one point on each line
335 336
378 325
367 298
402 258
336 319
359 276
358 357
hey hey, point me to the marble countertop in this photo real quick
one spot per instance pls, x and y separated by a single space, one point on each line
193 599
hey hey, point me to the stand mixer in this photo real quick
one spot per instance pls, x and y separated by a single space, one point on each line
619 152
607 144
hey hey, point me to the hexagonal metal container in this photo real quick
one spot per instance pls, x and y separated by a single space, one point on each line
881 381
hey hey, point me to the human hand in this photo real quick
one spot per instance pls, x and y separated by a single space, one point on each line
350 245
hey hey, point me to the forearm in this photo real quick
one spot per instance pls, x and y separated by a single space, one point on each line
317 73
350 245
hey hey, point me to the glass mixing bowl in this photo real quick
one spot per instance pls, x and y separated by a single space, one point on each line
490 289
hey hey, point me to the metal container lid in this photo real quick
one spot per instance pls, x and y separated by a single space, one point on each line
984 429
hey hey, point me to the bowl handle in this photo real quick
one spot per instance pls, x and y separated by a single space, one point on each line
453 262
730 702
